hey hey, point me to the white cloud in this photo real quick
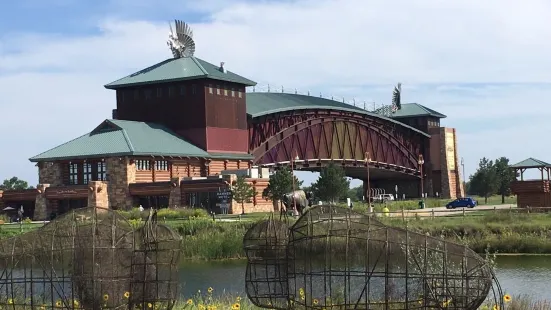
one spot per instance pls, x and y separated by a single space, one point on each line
51 85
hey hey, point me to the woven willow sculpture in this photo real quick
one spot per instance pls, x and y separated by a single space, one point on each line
334 258
90 259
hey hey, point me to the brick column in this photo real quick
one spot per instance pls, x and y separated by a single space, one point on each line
121 172
97 195
41 204
175 197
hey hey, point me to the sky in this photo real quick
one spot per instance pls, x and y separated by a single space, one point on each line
484 64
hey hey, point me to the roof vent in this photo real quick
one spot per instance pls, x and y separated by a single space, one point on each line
222 67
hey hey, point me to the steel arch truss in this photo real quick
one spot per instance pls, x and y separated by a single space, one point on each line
323 135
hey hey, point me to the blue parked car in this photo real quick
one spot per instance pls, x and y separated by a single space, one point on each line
467 202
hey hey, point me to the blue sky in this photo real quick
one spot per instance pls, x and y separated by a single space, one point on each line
483 64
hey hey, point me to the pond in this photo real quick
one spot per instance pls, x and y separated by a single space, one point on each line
517 275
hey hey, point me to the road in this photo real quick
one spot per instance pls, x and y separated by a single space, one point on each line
442 211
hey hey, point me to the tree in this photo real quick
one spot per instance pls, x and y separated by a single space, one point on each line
504 177
242 192
332 184
484 180
281 183
14 184
356 193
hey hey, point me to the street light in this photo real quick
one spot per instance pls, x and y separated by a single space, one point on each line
367 160
421 162
463 168
293 177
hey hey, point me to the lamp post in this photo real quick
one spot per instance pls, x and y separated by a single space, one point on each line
463 168
367 162
421 162
293 178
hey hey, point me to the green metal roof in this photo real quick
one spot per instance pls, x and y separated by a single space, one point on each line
415 109
259 104
120 138
531 163
179 69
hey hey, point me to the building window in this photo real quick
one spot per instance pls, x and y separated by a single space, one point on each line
159 92
73 174
87 173
225 92
147 94
210 89
218 89
193 89
239 94
233 92
142 165
136 94
102 175
182 90
161 165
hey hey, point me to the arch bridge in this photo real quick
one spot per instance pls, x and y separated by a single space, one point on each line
318 131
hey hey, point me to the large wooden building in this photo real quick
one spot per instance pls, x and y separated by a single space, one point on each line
178 137
180 134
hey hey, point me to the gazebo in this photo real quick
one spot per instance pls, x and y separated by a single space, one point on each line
532 193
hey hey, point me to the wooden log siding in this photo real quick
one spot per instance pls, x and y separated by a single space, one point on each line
152 170
536 194
19 195
259 186
151 189
218 165
67 192
186 167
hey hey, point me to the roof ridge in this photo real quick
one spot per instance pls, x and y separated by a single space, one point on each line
127 139
196 61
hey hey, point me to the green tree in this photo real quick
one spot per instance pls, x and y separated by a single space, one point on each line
484 180
356 193
504 177
242 192
14 184
332 184
281 183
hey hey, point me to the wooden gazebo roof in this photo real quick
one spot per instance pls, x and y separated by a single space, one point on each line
531 163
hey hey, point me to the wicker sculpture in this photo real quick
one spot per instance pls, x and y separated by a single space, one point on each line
90 259
335 258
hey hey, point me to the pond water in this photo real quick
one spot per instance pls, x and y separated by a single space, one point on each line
529 275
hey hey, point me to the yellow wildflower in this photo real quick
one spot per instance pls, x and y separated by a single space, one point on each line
202 307
238 299
209 290
189 302
496 307
10 301
236 306
149 305
58 303
315 301
211 307
507 298
105 297
126 295
75 303
43 307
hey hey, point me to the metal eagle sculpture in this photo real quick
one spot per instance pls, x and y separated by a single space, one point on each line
181 41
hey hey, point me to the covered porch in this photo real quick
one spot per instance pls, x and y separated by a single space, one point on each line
532 193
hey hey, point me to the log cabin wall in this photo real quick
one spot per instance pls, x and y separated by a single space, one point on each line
152 170
181 168
216 166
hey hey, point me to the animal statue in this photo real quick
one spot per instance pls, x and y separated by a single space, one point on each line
333 257
93 260
301 198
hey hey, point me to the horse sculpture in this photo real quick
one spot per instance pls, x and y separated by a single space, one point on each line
300 198
335 258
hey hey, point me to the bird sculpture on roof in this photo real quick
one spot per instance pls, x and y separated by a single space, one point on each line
180 41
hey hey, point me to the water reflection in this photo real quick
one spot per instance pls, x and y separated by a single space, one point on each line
517 275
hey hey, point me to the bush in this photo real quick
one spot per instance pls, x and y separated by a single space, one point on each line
165 214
